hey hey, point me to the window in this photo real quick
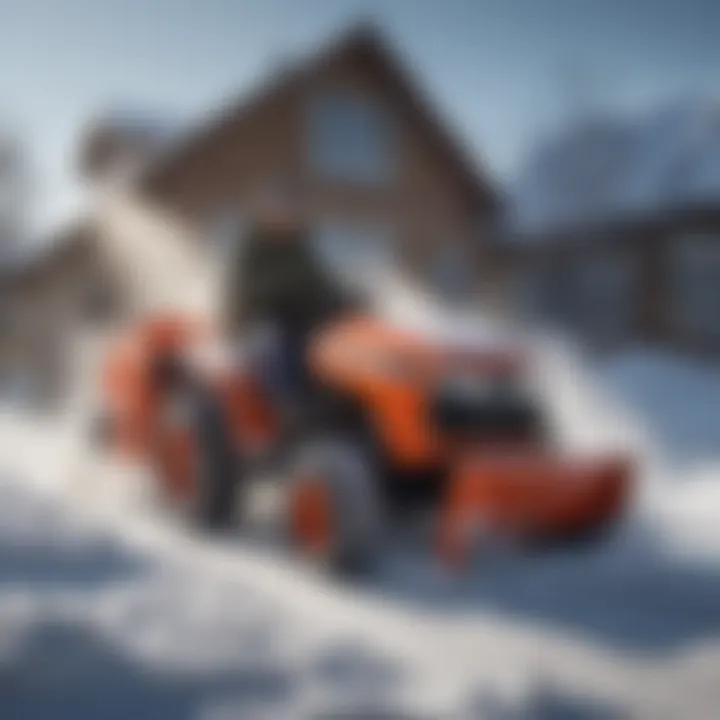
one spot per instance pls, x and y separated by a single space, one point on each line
607 299
528 293
696 284
547 292
351 138
591 295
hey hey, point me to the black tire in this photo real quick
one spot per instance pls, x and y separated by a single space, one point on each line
349 478
218 465
213 506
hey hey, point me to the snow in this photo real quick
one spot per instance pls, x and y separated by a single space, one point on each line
408 307
678 397
677 400
110 610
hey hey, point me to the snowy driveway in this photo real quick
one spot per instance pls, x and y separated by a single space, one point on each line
114 614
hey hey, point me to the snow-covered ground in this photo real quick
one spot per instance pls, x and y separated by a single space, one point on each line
107 610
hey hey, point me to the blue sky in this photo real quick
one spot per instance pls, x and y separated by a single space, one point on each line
504 72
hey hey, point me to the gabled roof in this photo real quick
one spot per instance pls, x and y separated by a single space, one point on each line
364 42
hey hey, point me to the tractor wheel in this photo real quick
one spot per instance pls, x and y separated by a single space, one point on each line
196 460
334 507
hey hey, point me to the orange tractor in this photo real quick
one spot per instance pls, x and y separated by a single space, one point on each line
390 423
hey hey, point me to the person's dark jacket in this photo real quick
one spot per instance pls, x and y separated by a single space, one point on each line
280 280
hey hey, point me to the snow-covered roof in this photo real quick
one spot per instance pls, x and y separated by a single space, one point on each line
608 167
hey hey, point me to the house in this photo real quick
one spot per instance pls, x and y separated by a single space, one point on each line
46 285
345 132
651 280
45 294
617 236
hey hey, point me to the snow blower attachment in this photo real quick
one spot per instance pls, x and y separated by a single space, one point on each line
381 422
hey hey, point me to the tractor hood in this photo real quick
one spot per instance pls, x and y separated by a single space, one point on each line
406 334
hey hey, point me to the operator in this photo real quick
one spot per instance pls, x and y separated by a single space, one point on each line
279 286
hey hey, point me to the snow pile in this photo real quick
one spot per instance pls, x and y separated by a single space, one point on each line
660 409
587 414
677 400
409 307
